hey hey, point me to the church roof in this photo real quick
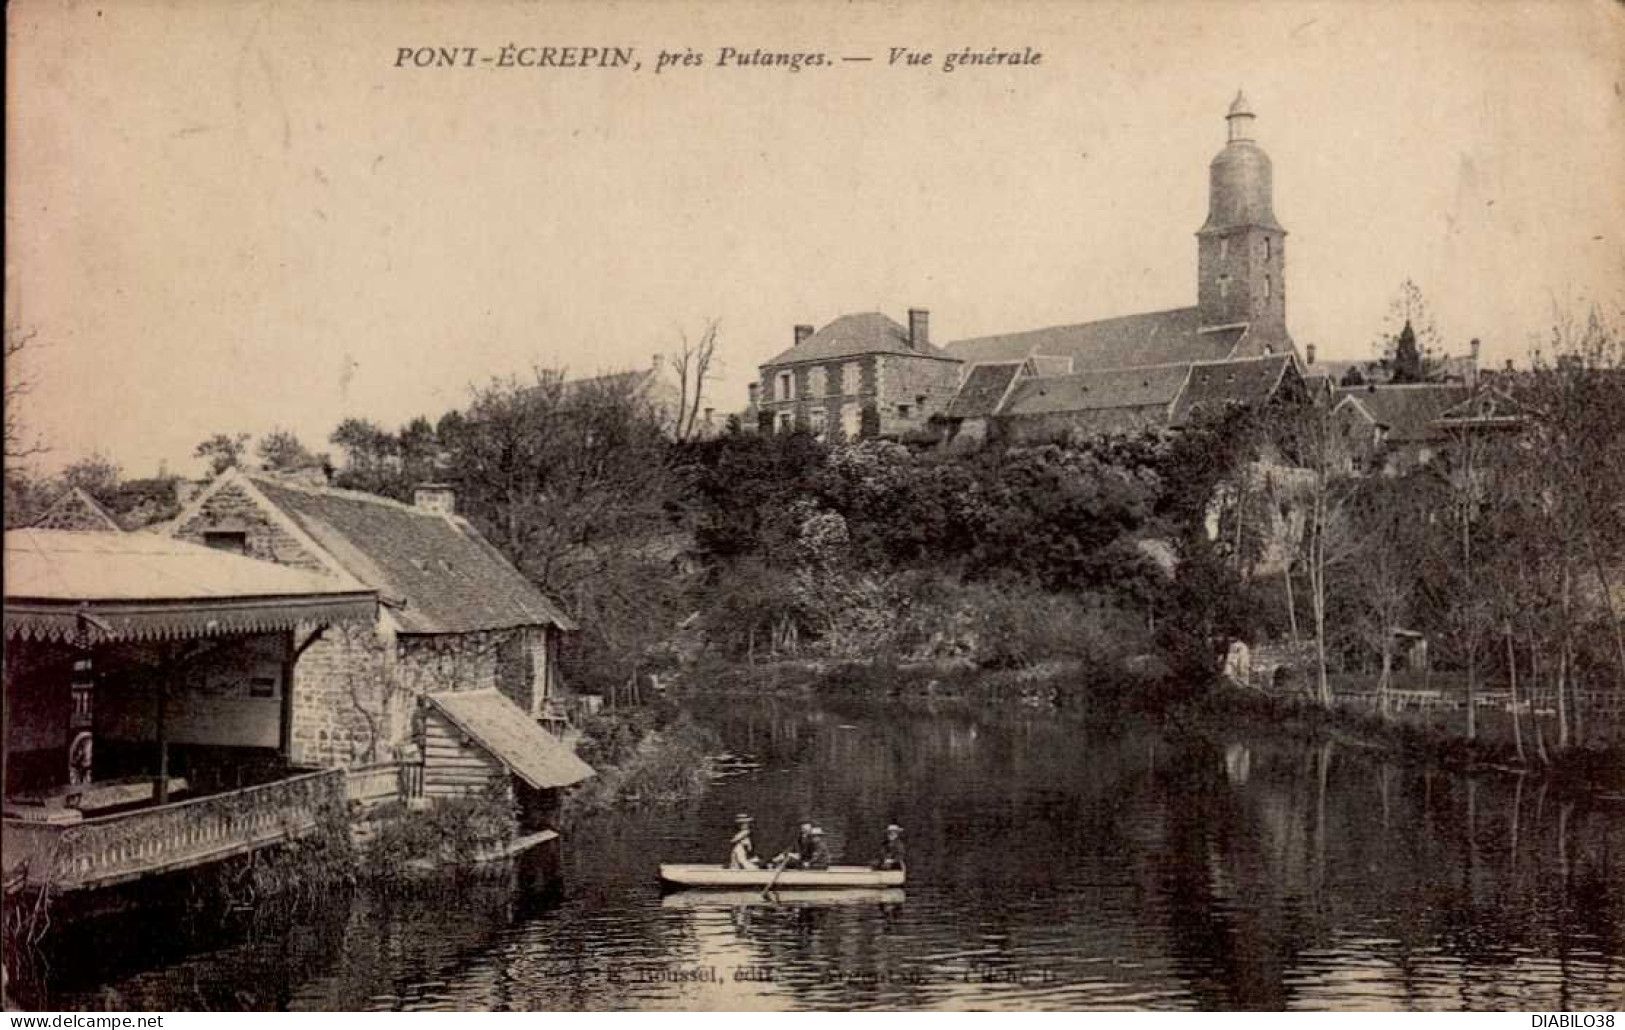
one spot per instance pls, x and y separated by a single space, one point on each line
849 336
1153 338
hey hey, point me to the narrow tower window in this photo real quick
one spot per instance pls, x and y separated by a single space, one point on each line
1224 286
1266 248
1224 248
1269 287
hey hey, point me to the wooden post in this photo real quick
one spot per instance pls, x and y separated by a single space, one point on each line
164 670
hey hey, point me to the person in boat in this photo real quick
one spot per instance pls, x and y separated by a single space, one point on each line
817 856
891 849
794 856
742 853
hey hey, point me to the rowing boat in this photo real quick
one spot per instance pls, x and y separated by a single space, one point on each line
836 876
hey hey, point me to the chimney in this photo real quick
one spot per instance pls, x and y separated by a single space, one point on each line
919 328
1472 363
1509 364
1309 354
802 332
438 498
1472 351
751 391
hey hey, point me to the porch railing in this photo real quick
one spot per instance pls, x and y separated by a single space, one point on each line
111 849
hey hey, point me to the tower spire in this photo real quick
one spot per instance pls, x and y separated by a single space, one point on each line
1240 118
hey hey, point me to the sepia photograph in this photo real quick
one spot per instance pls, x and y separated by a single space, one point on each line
733 506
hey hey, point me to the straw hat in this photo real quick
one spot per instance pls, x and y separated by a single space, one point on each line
817 831
894 828
743 819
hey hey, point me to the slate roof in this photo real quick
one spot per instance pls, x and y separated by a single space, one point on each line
1098 390
1155 338
979 395
513 738
74 509
849 336
1243 381
1408 410
450 578
143 586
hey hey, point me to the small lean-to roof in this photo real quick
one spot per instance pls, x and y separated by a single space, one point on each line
1243 381
444 575
140 586
1155 338
850 336
513 738
983 389
1409 410
1099 390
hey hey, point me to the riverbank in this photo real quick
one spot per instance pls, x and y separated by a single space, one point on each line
1144 690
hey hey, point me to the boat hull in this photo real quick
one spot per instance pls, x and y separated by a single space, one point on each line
798 898
835 877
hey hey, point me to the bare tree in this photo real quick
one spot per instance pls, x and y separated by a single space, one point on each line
692 364
21 444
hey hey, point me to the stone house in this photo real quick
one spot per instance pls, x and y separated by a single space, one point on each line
1396 429
860 376
454 614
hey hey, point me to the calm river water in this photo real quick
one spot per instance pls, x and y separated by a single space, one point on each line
1051 867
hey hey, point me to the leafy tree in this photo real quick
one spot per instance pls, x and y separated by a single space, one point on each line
222 451
281 451
97 475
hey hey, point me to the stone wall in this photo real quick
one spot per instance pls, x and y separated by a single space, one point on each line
912 389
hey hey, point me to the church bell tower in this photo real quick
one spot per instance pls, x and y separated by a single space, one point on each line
1241 250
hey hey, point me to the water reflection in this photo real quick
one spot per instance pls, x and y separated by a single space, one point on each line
1051 867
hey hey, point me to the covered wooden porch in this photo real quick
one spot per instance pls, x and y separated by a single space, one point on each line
148 705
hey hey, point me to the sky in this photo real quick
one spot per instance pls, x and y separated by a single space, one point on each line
234 217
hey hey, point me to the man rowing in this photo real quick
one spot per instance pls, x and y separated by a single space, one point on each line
795 855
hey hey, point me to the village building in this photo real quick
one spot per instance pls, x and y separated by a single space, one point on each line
664 387
1397 429
862 375
454 614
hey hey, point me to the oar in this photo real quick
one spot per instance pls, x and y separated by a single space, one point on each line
782 863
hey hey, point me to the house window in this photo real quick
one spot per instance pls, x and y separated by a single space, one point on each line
236 543
262 686
787 421
817 381
903 410
818 423
787 386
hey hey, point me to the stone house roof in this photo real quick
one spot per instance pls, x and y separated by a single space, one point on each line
435 572
1241 381
1154 338
1098 390
984 389
850 336
1407 411
75 510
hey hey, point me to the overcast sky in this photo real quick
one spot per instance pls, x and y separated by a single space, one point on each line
232 217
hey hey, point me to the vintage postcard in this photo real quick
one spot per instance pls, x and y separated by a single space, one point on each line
745 506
